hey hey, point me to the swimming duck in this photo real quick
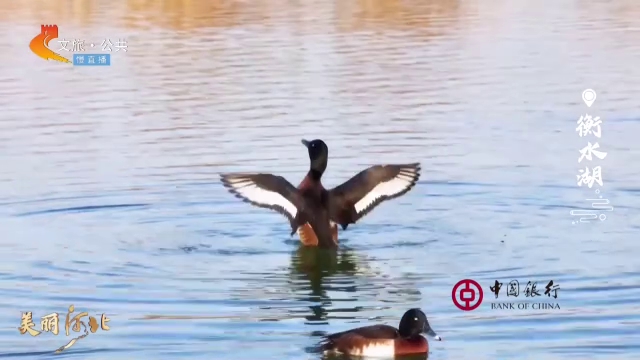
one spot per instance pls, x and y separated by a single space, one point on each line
315 212
383 340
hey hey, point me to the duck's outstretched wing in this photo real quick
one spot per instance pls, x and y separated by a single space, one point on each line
362 193
266 191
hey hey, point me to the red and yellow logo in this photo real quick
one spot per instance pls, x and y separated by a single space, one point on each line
40 44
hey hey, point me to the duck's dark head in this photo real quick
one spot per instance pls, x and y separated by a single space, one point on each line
413 323
318 155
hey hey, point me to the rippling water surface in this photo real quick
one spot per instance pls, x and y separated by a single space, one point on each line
109 198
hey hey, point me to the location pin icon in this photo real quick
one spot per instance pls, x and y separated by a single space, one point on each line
589 96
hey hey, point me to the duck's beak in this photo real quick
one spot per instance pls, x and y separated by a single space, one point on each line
305 143
427 330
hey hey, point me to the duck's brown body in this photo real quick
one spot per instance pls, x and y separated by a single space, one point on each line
314 189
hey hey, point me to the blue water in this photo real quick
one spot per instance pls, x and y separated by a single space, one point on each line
110 200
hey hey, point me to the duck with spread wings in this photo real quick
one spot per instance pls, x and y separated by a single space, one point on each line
314 212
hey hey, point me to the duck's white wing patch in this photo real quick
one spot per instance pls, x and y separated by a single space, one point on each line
379 349
263 190
399 184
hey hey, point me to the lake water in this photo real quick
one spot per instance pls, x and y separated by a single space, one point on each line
110 199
